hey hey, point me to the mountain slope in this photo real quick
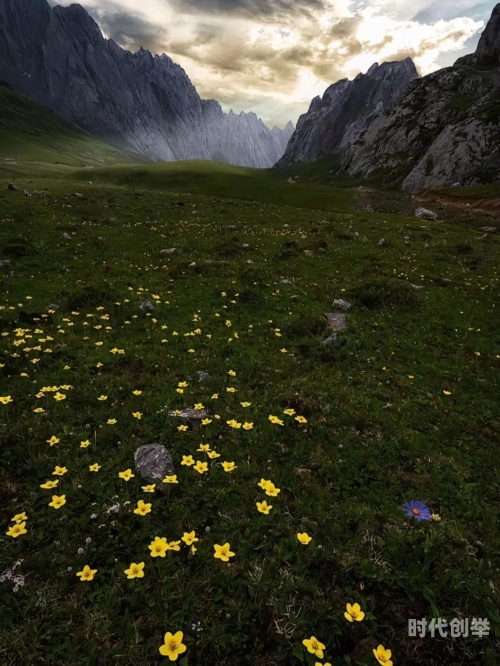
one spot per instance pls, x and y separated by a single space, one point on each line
346 109
445 128
32 138
60 58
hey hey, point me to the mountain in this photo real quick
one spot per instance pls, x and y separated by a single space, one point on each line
59 57
444 129
347 108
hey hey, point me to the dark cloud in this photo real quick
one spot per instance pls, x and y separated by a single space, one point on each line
253 8
131 31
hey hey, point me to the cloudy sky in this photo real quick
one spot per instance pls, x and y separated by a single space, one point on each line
274 56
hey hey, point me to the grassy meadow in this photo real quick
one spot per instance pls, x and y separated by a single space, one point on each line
335 438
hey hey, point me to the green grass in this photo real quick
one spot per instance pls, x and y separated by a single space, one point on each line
35 141
223 180
380 428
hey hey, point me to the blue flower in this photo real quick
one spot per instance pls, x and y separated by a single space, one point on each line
417 510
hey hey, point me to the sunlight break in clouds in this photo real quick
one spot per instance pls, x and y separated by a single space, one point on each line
274 56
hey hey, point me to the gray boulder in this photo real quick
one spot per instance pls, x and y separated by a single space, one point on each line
192 417
425 214
154 462
12 187
342 304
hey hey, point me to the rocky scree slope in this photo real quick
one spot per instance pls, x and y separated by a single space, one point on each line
59 57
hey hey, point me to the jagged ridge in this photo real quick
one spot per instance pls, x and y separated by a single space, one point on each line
60 58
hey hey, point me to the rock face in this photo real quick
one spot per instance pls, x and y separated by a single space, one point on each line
444 129
334 121
59 57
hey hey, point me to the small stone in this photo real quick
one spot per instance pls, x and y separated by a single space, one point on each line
336 321
169 250
192 417
381 242
343 305
52 306
490 230
12 187
27 193
286 281
154 462
146 306
192 264
66 236
245 245
330 340
77 194
202 376
295 297
4 263
425 214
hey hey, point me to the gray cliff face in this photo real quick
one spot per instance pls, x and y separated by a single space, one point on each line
445 128
346 109
59 58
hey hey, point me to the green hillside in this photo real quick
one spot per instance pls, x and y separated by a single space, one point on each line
224 180
33 140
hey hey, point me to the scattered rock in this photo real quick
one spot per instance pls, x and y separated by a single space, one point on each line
490 230
456 185
169 250
202 376
77 194
4 263
417 286
295 297
343 305
192 264
336 321
231 226
154 463
27 193
330 339
381 242
308 253
286 281
245 245
52 306
192 417
146 306
425 214
66 236
12 187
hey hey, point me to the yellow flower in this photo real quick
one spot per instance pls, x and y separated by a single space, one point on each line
304 539
206 422
59 396
204 447
182 428
228 466
39 410
87 573
231 389
174 545
102 398
199 405
53 440
275 420
142 508
285 351
232 373
49 484
137 392
173 646
95 467
126 475
183 384
58 501
170 479
158 547
137 415
135 570
289 412
446 393
245 404
201 467
314 646
300 419
19 517
435 517
264 507
215 396
354 613
59 471
189 538
187 460
248 425
17 530
213 454
234 424
271 490
180 390
263 483
223 552
6 399
85 444
150 488
383 656
111 421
